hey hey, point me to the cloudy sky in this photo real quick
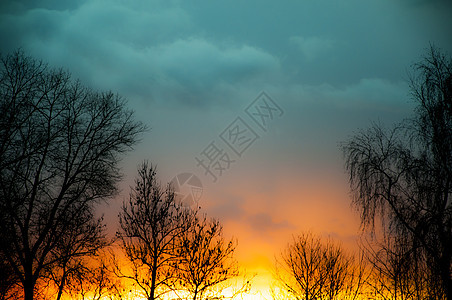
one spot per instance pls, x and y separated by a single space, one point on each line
193 69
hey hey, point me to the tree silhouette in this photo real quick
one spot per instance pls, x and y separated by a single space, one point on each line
96 282
8 281
396 273
150 224
60 144
206 261
402 177
311 269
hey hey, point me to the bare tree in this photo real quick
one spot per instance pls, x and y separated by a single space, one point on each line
311 269
80 246
396 272
206 261
94 283
85 278
150 224
60 144
9 283
402 177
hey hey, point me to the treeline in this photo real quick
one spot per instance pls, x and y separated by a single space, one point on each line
60 145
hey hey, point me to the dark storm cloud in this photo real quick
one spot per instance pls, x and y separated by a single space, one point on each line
204 52
148 50
339 42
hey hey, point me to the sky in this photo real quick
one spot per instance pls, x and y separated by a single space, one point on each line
205 75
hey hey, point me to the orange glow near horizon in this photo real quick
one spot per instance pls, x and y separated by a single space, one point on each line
264 216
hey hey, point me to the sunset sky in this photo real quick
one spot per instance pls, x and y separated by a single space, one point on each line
190 70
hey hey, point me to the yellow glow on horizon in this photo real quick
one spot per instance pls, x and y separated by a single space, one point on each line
259 296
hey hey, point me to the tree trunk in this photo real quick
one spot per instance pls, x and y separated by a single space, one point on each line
195 294
61 286
29 282
153 278
28 287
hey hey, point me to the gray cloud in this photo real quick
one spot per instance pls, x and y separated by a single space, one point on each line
228 208
150 50
264 223
181 52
